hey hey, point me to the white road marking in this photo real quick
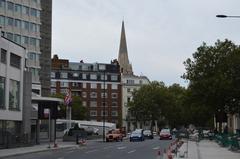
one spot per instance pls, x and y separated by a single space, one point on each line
91 151
155 148
120 148
131 151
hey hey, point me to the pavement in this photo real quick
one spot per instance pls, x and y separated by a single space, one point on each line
206 149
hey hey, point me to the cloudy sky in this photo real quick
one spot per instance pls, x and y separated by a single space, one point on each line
161 34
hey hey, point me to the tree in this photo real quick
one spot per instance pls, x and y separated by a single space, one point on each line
214 76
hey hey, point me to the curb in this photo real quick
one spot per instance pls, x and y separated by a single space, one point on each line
36 151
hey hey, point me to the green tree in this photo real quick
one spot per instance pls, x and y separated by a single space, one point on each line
214 76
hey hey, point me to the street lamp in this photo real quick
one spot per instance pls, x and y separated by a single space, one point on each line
226 16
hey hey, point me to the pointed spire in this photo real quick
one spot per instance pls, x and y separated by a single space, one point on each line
126 67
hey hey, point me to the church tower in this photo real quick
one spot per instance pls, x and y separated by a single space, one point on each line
125 66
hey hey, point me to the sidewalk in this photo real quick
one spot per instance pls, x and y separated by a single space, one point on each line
35 148
206 149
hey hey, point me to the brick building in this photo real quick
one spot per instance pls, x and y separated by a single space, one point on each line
87 81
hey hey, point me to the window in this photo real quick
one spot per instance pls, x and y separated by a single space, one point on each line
17 38
130 81
15 60
10 36
93 113
2 20
18 8
53 91
102 86
114 113
53 74
32 27
3 56
128 90
25 40
64 75
93 85
2 3
17 23
114 86
104 104
93 76
84 85
25 10
114 104
14 95
114 77
25 25
104 113
84 94
33 12
38 13
114 95
9 21
104 95
93 103
102 67
34 71
128 99
33 41
84 103
75 74
102 77
64 84
33 56
53 84
84 76
10 6
93 95
2 92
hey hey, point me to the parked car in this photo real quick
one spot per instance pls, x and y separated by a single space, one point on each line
136 136
148 134
165 134
114 135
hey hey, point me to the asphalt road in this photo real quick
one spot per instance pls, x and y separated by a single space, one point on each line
98 150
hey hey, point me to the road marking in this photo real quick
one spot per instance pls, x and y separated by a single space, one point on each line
120 148
91 151
155 148
131 151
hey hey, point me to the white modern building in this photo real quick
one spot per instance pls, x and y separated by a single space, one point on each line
12 66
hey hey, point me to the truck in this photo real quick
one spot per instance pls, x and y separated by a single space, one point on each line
114 135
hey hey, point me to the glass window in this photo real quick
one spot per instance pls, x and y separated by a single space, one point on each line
84 94
17 23
102 67
93 76
25 40
38 13
2 20
84 76
93 85
53 91
114 95
114 77
10 6
104 95
64 75
53 74
93 103
33 56
64 84
18 8
130 81
114 86
37 42
84 103
104 113
114 104
53 84
15 60
93 113
75 74
102 86
33 41
2 92
114 113
33 12
9 21
3 56
32 27
37 28
84 85
25 25
14 95
25 10
93 95
10 36
17 38
102 77
2 3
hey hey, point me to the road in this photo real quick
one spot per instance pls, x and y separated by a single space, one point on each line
98 150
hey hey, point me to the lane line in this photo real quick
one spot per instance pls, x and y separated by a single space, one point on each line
131 151
91 151
155 148
120 148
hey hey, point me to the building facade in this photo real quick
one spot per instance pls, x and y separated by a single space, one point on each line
12 66
28 23
98 85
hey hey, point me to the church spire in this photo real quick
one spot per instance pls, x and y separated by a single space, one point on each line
126 67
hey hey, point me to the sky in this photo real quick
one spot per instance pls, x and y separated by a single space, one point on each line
161 34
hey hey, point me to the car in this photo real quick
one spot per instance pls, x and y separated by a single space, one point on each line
136 136
114 135
165 134
148 134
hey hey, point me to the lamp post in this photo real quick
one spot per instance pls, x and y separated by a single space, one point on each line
227 16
